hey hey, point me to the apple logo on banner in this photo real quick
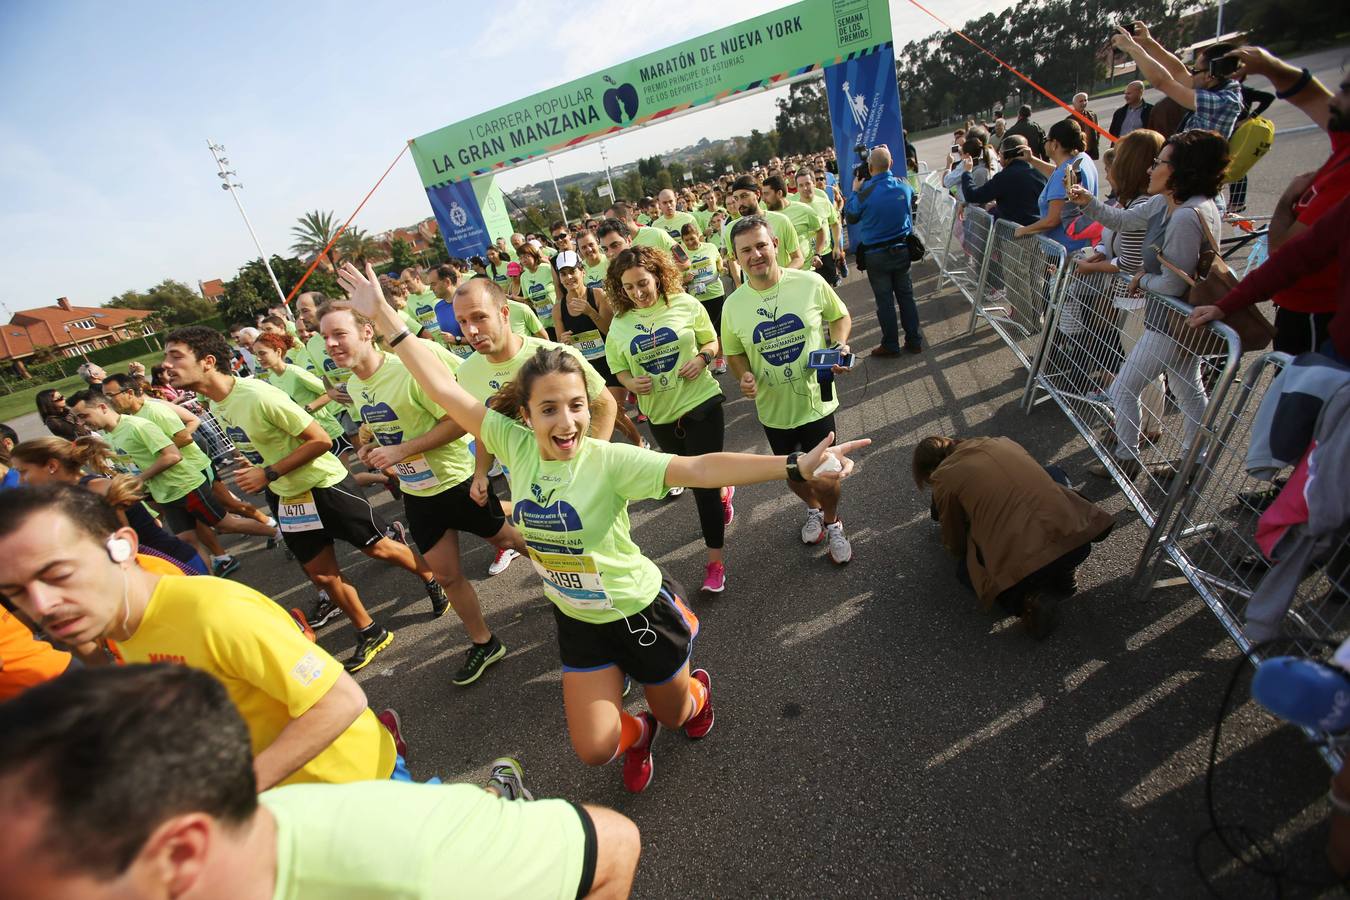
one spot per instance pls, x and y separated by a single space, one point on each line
780 340
457 215
656 351
621 102
539 514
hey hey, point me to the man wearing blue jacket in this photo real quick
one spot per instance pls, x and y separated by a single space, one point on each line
879 213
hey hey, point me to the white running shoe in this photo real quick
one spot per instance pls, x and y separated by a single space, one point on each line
814 529
502 560
496 469
841 551
676 491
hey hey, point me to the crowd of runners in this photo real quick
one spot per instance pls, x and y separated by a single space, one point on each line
529 372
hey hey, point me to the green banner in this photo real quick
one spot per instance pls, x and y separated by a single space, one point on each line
751 54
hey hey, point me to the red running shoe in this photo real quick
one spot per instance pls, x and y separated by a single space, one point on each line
637 759
389 719
303 624
701 724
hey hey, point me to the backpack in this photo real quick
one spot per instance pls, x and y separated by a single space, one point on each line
1251 140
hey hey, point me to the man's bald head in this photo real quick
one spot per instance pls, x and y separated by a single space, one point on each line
879 160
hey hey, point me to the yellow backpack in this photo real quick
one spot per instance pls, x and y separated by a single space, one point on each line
1251 140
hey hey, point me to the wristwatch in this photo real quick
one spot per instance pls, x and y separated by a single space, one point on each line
707 357
794 473
270 474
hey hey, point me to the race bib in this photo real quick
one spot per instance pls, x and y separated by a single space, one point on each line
543 308
590 343
463 351
571 579
415 472
299 513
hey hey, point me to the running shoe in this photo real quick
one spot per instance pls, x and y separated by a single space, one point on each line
479 657
275 538
676 491
439 602
719 366
396 531
508 779
502 560
367 647
627 686
646 444
394 725
715 581
1039 614
814 529
303 624
841 551
699 726
641 417
495 470
323 611
222 566
637 760
728 511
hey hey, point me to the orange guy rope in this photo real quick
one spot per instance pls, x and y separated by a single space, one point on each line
1058 102
369 194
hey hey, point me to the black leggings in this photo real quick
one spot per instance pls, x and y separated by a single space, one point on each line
713 306
699 431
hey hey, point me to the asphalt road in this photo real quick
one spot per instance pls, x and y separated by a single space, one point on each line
878 734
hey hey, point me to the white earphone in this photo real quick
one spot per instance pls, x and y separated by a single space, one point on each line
119 549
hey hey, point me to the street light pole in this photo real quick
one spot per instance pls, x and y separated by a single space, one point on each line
605 159
557 193
218 153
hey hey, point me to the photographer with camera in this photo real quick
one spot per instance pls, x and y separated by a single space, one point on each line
879 211
1015 190
1209 90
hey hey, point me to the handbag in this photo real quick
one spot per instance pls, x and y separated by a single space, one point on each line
917 250
1212 282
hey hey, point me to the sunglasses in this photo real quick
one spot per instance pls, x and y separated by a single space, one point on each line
559 237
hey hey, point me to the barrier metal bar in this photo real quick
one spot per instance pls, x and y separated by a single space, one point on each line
1019 284
1101 362
1212 541
967 249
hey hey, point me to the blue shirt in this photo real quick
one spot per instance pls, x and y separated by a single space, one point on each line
884 216
1216 110
1054 190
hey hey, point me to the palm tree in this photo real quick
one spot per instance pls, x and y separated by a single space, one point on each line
356 243
313 233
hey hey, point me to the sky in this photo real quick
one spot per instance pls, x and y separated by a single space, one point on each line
107 181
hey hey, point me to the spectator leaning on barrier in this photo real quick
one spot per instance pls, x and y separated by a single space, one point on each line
1028 129
1187 175
1064 147
1134 114
1015 190
1215 101
880 209
1306 302
1315 251
1080 106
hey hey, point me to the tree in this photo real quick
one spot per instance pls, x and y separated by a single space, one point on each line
356 243
251 292
402 253
759 148
676 171
172 302
803 121
575 199
314 232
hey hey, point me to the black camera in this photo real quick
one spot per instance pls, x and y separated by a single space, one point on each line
1223 66
860 171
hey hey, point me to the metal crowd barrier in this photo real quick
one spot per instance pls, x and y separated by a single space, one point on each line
1211 541
967 245
1019 283
937 213
1102 359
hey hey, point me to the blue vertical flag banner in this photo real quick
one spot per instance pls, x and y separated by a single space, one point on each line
461 221
865 109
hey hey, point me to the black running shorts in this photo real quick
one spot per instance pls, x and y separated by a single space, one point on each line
429 518
783 441
650 646
344 513
197 505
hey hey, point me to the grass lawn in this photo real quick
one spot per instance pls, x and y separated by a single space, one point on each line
21 402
